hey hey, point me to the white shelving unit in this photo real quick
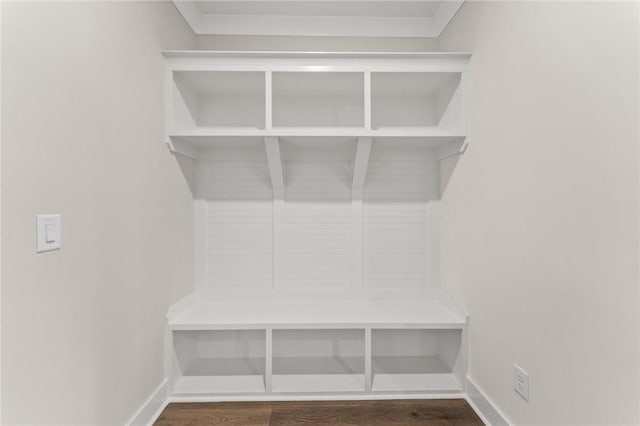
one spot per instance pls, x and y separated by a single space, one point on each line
316 183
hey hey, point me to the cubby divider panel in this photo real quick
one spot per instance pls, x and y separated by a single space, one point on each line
220 361
312 360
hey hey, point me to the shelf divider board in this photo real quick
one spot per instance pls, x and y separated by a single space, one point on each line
268 368
367 100
368 378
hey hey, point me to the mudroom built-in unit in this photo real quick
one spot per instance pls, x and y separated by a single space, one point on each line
317 184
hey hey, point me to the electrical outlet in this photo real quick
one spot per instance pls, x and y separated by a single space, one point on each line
521 382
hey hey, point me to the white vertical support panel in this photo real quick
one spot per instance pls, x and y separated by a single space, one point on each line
274 158
433 245
268 98
268 359
363 151
367 100
368 374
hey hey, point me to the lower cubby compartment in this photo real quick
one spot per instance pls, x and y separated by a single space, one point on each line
313 360
219 361
416 360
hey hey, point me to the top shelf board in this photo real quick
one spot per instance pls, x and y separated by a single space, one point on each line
381 314
334 55
197 60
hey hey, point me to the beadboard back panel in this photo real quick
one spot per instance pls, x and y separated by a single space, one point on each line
317 225
399 185
239 225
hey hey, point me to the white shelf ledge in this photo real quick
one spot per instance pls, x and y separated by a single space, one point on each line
330 314
414 132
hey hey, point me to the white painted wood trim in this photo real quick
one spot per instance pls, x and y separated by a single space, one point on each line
350 26
268 369
312 54
488 412
316 397
367 100
150 409
368 374
406 132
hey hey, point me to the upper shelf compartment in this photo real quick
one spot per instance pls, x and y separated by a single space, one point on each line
416 100
218 99
420 96
318 99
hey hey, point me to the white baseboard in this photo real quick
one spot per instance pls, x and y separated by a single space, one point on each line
150 410
312 397
483 406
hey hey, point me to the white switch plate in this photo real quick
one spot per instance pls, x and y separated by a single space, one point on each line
521 382
48 232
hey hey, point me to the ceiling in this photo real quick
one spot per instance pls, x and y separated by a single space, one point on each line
351 18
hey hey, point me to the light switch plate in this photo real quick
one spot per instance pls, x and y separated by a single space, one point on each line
48 232
521 382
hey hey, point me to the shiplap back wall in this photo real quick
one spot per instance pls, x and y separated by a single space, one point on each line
400 197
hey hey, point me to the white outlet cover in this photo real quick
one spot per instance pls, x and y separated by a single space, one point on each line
48 232
521 382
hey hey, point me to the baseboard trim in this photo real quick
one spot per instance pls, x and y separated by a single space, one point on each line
313 397
483 406
150 410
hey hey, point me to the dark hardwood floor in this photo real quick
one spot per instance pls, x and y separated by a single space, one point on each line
322 413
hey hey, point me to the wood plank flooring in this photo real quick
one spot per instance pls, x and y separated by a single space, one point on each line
431 412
